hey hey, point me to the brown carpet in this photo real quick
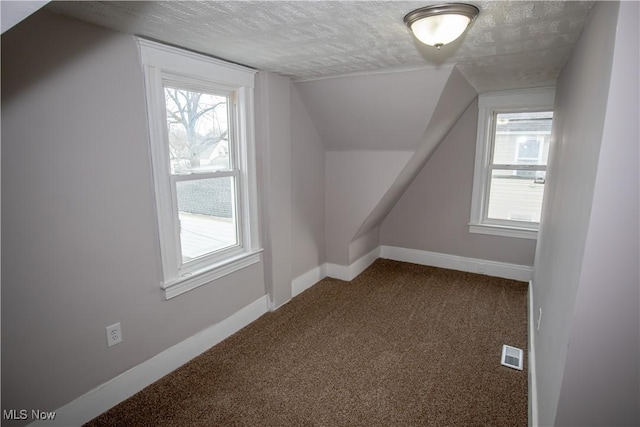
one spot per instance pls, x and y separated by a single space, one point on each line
401 345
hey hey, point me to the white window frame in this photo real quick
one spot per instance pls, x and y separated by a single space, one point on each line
538 99
168 64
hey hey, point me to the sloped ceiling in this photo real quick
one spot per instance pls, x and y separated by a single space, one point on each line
511 44
456 97
387 111
12 12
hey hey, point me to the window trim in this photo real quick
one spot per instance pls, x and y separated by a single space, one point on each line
165 64
537 99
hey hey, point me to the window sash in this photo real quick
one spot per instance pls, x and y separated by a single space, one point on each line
199 262
491 167
168 66
175 81
179 177
489 106
486 219
518 167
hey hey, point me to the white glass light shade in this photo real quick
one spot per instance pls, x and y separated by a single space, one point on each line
441 24
439 30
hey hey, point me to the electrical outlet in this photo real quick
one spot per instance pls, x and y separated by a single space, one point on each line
114 334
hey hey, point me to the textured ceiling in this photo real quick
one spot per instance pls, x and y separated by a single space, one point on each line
511 44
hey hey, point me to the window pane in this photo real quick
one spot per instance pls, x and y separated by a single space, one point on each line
522 138
207 215
514 196
198 130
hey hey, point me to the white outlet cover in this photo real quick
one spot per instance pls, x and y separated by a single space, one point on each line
114 334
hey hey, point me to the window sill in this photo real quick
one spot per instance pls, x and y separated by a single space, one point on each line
502 230
180 285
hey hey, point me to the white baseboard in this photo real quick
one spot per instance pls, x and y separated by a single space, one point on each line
307 280
533 389
109 394
350 272
472 265
338 271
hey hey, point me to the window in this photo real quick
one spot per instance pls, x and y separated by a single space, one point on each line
512 146
201 138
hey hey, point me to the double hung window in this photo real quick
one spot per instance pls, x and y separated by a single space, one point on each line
514 135
202 171
201 134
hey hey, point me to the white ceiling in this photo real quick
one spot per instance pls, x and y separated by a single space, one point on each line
511 44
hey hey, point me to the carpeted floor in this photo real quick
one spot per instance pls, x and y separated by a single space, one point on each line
401 345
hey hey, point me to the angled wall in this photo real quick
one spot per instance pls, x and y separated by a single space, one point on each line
379 130
308 190
456 96
355 183
433 213
273 141
606 323
79 238
292 185
586 275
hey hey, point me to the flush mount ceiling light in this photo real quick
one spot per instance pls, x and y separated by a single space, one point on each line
441 24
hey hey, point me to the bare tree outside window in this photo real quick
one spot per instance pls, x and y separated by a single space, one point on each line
201 140
198 133
198 130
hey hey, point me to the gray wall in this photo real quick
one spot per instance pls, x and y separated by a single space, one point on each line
79 242
433 213
292 185
80 246
370 125
355 183
308 191
586 270
273 141
406 113
457 94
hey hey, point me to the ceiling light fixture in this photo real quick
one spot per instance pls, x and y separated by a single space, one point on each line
441 24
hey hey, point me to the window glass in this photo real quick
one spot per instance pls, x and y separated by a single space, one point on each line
520 138
206 209
198 131
529 151
515 198
515 193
